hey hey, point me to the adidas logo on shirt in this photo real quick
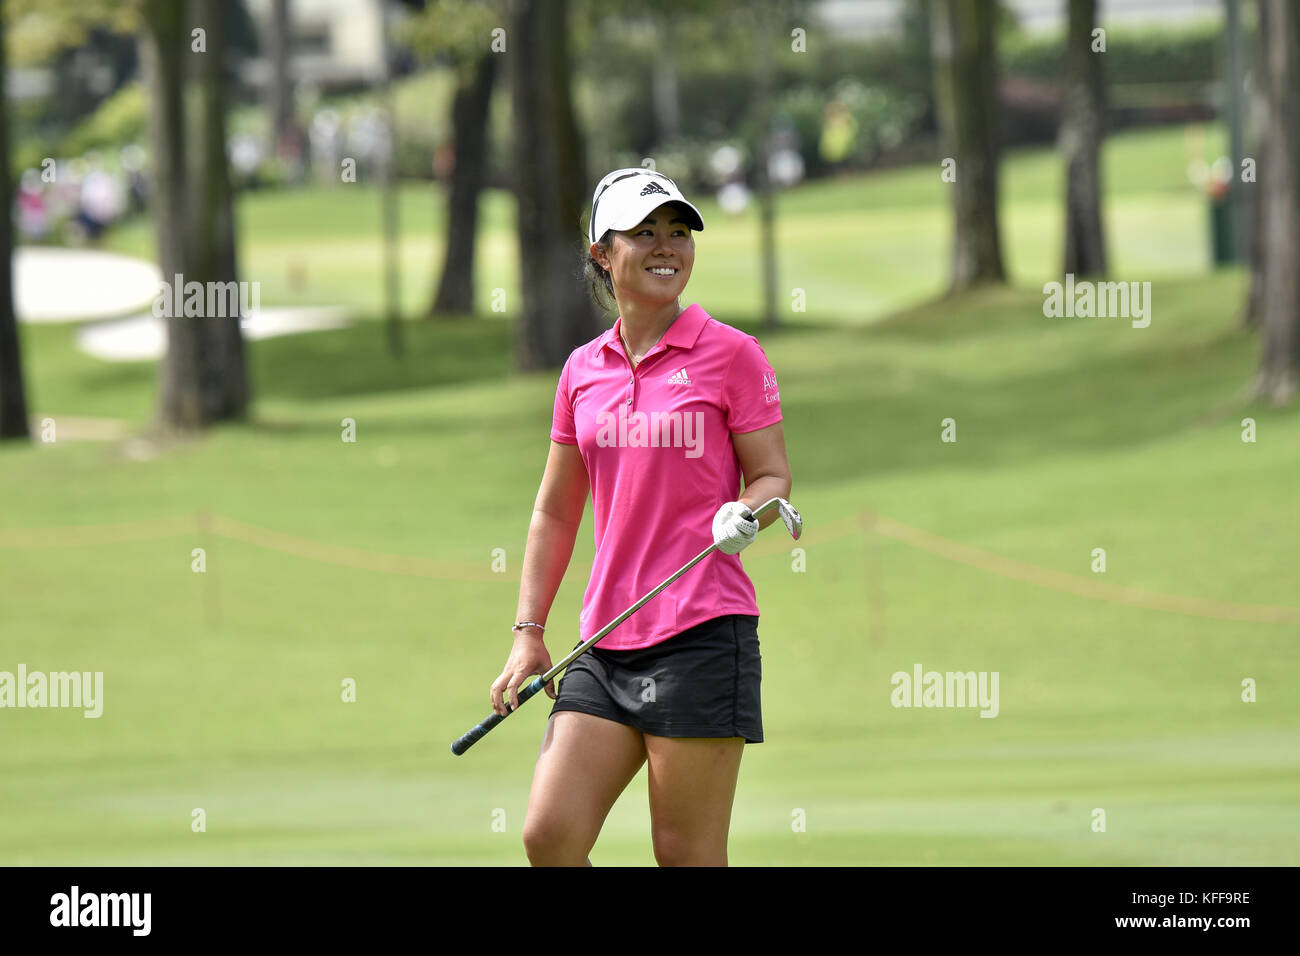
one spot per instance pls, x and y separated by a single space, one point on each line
679 377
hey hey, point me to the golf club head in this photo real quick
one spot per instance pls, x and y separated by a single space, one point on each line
793 522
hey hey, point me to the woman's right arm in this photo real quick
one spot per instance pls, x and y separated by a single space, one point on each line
552 532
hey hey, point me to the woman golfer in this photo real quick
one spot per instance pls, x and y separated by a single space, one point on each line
659 418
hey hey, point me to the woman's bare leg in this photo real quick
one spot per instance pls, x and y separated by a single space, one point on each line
692 787
584 764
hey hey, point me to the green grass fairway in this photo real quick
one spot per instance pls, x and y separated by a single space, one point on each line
372 561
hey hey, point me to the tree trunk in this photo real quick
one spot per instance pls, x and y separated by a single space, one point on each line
1252 317
663 81
212 236
550 180
389 213
1082 121
763 20
202 377
469 114
965 61
13 400
286 138
1279 367
1239 210
164 43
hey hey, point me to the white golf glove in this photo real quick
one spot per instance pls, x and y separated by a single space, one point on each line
734 528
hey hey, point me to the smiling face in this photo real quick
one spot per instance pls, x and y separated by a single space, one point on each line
650 263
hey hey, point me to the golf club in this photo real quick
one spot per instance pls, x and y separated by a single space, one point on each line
793 524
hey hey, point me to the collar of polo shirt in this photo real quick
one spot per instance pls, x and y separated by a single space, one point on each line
682 334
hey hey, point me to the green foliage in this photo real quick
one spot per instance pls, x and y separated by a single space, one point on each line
422 107
40 29
885 84
422 104
119 120
1190 53
849 124
455 31
28 152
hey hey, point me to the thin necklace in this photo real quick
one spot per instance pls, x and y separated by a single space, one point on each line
635 357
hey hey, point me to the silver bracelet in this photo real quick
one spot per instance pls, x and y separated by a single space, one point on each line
523 624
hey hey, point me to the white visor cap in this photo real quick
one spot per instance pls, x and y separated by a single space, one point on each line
625 197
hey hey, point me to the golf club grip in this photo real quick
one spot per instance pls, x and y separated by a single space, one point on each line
473 736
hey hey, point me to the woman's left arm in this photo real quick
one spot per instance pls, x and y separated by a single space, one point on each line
766 467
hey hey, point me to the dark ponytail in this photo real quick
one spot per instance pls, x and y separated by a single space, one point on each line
599 283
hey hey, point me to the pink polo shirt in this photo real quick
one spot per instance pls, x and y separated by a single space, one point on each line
657 445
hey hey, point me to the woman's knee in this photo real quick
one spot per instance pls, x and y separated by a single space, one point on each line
554 841
674 847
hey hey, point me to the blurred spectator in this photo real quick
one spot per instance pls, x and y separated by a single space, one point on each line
785 164
137 183
727 164
326 136
246 154
102 200
33 209
839 132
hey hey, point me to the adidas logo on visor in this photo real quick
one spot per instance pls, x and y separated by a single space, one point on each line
652 188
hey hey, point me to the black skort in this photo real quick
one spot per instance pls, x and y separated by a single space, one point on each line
703 682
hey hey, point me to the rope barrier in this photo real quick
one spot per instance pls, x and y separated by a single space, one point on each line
864 523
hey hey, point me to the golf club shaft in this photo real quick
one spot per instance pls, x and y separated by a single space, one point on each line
477 733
